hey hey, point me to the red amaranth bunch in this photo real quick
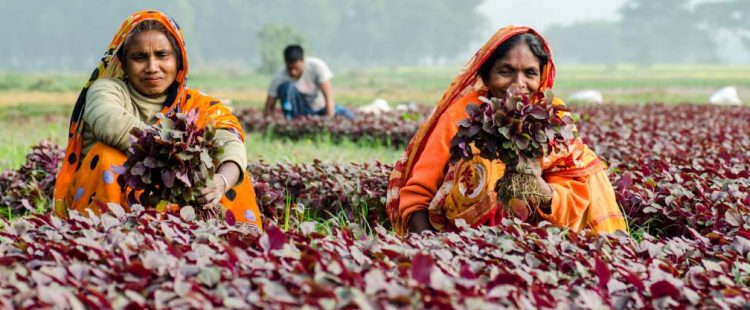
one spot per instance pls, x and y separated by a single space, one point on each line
171 161
514 127
517 129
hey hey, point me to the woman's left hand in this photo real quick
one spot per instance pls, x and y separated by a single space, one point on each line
533 167
212 193
225 178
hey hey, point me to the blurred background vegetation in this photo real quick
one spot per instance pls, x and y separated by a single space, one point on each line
244 34
633 51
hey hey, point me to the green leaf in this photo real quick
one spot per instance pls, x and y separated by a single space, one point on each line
167 124
146 177
522 142
183 156
540 137
504 131
207 160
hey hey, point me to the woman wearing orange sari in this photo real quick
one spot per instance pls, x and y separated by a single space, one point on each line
426 192
143 73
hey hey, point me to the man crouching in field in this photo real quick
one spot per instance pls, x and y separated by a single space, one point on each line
298 87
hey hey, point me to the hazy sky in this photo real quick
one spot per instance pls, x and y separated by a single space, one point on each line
29 48
541 13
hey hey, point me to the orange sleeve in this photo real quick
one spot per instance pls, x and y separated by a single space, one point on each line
429 169
585 202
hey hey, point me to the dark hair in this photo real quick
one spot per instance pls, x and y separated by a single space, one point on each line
149 25
534 43
293 53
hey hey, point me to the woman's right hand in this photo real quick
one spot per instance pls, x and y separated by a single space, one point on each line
419 222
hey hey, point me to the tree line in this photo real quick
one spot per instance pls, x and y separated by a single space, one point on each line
72 34
649 32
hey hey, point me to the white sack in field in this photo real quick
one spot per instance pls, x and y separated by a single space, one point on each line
725 96
587 95
407 107
376 107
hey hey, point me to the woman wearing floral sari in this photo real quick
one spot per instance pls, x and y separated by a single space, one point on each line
426 192
143 73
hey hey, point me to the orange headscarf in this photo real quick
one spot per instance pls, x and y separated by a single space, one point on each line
179 98
467 81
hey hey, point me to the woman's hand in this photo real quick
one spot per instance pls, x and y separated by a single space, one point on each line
533 167
212 193
419 222
224 179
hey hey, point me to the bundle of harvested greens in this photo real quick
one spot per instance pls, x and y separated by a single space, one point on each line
518 130
170 162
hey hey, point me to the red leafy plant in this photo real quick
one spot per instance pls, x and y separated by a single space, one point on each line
669 176
29 189
169 162
134 261
674 167
394 128
321 190
515 129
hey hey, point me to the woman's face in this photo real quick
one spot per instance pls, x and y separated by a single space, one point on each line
519 66
150 63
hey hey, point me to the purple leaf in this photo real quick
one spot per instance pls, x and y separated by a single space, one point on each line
168 176
663 288
421 268
602 272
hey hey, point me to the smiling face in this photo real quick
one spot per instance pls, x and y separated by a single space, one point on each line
150 63
519 66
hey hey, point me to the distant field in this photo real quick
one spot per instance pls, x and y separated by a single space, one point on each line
621 84
25 127
36 106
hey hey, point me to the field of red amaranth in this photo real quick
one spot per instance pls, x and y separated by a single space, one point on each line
681 175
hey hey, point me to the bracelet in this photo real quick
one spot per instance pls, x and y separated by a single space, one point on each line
226 183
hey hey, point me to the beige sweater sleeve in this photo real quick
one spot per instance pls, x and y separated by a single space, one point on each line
110 115
234 150
107 116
